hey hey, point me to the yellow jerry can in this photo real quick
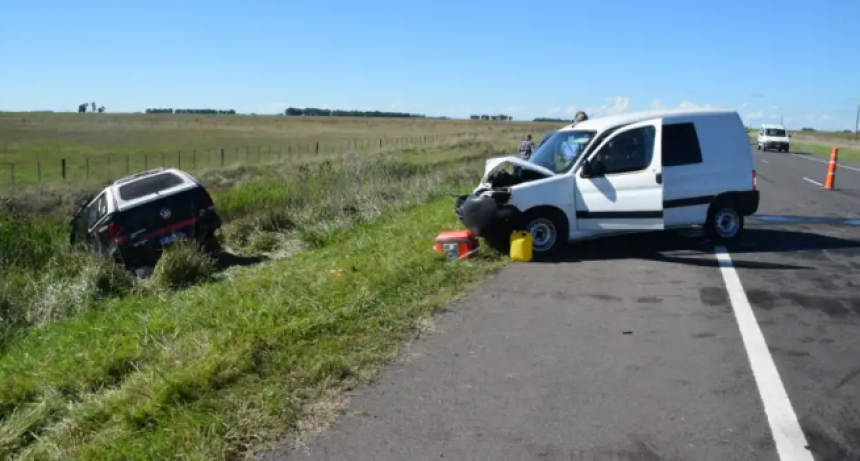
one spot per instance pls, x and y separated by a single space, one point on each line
521 246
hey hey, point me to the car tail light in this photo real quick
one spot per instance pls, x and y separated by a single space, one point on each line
116 233
755 183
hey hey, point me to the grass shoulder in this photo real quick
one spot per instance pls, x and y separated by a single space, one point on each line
216 370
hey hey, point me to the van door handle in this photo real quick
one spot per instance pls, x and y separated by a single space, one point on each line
659 178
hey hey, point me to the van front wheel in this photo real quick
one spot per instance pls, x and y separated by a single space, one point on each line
548 228
724 223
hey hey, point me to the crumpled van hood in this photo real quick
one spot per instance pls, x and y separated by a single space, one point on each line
495 164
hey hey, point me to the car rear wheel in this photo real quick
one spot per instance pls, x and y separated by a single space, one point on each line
210 244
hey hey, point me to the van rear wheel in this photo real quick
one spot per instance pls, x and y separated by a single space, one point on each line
724 223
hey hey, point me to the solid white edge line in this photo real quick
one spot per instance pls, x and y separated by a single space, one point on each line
813 181
806 157
787 435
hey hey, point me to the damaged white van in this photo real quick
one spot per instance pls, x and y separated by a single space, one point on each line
623 173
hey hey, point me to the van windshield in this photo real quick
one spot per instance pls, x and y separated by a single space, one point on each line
561 150
775 132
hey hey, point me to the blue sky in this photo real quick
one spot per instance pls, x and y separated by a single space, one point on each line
763 58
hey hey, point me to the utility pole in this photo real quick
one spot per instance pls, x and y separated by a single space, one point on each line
857 122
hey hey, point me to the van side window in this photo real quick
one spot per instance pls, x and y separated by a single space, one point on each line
681 145
628 152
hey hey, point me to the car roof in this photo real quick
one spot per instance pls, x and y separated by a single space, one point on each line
770 125
610 121
188 182
152 172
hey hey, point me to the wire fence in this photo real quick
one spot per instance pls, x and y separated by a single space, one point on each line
78 169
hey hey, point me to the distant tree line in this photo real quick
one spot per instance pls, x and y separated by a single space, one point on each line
554 120
316 112
192 111
82 108
491 117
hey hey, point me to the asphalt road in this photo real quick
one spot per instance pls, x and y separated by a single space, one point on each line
649 347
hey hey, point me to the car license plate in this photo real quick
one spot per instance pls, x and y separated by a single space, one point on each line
168 239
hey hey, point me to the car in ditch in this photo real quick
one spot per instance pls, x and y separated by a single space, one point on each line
631 172
133 219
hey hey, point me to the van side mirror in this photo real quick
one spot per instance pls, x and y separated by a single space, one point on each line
585 170
592 168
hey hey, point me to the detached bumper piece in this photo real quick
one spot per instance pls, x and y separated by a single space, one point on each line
487 215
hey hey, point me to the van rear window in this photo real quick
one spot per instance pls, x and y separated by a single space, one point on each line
149 185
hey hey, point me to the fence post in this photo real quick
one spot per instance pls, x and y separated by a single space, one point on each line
87 177
222 156
63 168
39 166
318 148
179 159
380 143
127 165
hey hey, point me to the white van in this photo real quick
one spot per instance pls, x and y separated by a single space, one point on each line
773 137
630 172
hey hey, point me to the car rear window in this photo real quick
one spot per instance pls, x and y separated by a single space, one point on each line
149 185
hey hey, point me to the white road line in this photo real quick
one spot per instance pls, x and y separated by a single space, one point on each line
790 441
813 181
807 157
764 161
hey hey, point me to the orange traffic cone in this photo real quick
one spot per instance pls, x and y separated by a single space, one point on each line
830 184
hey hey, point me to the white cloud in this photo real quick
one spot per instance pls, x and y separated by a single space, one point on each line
657 104
691 105
744 105
756 115
614 105
510 110
571 110
397 106
818 118
418 106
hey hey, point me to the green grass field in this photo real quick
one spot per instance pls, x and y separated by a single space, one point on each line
328 269
98 147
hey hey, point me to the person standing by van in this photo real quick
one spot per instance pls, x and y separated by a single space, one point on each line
527 147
